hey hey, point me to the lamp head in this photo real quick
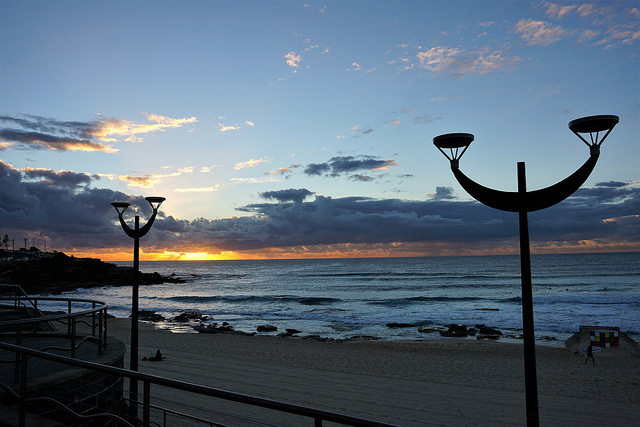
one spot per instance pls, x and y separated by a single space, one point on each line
454 142
155 202
594 124
120 207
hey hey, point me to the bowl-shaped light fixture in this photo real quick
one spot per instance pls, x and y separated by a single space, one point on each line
594 125
454 142
155 202
120 206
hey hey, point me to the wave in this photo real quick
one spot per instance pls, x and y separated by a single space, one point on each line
413 300
200 299
390 275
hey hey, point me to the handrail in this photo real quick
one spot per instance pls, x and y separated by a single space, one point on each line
19 326
19 292
318 415
62 406
50 317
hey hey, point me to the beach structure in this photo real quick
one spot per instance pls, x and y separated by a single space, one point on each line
523 202
61 368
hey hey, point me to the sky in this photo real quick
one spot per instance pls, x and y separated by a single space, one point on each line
293 129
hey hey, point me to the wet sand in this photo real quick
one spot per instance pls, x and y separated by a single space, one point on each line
431 382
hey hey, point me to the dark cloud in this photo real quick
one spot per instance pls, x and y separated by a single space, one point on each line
290 195
444 193
44 141
348 164
611 184
361 178
68 216
59 178
316 168
81 217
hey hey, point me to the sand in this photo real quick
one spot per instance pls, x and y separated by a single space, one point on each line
432 382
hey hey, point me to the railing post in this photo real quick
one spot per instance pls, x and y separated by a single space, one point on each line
146 403
100 337
23 389
18 363
68 319
73 337
93 319
318 422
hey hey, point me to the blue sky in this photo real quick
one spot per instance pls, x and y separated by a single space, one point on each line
289 128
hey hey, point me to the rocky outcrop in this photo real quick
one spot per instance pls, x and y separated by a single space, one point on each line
56 272
187 316
266 328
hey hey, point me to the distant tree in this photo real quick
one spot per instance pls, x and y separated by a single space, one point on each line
5 240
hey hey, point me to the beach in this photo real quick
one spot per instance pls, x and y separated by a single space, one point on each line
431 382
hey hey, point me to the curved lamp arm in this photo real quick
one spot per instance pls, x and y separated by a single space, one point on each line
131 232
136 233
534 200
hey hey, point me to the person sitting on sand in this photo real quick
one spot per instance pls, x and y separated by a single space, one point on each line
589 355
154 357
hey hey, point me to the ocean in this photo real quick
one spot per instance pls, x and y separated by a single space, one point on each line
342 298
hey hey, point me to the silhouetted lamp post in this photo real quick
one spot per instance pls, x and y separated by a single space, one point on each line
524 201
136 233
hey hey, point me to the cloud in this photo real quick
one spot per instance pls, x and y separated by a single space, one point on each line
148 181
444 193
279 171
228 128
348 164
625 34
252 163
425 118
557 11
292 60
460 62
66 179
290 195
47 133
81 217
539 33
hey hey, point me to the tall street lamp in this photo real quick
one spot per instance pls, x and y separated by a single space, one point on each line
136 233
524 201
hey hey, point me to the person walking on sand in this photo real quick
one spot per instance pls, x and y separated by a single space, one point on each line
589 355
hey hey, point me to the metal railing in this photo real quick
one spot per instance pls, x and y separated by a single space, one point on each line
148 380
74 313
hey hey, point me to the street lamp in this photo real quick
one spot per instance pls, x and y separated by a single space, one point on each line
524 201
136 233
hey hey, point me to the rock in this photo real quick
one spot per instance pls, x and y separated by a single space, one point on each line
188 316
53 272
400 325
215 329
292 331
267 328
485 330
455 330
150 316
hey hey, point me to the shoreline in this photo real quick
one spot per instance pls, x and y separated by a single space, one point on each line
444 381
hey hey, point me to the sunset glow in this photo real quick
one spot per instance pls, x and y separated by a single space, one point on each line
291 139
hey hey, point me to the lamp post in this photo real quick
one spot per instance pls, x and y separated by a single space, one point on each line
524 201
136 233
